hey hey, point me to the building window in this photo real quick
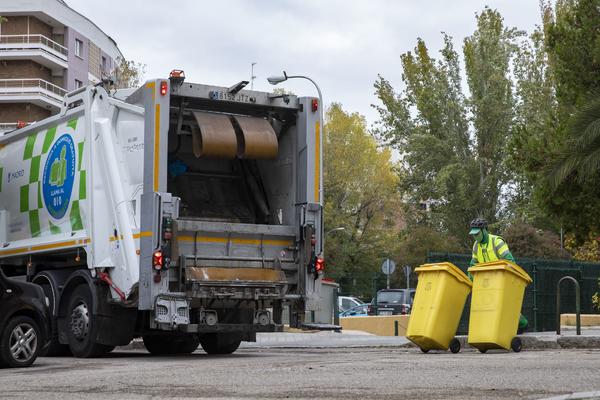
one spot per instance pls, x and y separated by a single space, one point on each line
78 84
78 48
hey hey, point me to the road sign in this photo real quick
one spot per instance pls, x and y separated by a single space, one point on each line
388 267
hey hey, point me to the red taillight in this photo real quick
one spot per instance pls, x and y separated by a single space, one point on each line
320 264
315 105
157 260
163 88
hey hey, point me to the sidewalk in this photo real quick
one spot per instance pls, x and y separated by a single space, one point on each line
589 339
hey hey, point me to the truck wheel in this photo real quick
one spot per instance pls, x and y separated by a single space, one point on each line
159 345
81 329
188 345
55 349
20 342
214 343
169 344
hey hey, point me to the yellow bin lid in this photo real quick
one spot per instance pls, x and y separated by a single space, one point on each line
503 265
448 267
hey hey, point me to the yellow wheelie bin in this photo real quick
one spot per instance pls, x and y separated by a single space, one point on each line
498 289
438 304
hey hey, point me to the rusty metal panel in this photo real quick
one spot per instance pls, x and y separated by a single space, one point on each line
234 274
260 140
215 136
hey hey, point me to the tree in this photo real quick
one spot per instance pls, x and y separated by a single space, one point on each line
531 144
567 155
361 196
453 147
129 74
526 241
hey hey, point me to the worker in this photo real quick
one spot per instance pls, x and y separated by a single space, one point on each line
488 247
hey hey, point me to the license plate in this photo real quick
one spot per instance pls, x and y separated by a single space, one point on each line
238 97
385 312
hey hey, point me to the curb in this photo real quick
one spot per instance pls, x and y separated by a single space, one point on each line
530 342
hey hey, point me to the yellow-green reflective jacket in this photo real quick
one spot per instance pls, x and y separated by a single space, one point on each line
495 249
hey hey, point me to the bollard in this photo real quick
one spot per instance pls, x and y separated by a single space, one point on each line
396 328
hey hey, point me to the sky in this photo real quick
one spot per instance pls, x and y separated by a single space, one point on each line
341 44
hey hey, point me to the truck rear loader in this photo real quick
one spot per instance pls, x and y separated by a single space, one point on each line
181 213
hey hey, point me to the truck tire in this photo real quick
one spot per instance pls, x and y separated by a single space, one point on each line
20 342
81 325
168 344
214 343
188 345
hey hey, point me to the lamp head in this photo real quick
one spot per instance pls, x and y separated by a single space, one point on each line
274 80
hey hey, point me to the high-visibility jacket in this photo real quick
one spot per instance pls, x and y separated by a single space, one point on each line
495 249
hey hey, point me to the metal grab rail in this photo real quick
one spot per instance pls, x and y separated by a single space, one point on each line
36 38
32 83
8 126
577 304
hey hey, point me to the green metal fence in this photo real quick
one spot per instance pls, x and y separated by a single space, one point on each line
539 303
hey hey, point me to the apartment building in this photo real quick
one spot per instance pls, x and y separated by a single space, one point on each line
46 50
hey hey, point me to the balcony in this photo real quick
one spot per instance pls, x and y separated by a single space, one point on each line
38 48
36 91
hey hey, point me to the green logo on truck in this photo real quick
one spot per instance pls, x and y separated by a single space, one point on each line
59 174
58 169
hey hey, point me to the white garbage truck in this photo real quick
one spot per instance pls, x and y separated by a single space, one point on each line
181 213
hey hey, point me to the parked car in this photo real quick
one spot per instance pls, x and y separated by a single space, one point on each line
347 302
357 311
392 302
24 322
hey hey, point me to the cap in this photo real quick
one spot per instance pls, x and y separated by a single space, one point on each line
474 231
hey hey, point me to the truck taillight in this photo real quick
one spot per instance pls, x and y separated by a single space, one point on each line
315 105
157 260
163 88
320 264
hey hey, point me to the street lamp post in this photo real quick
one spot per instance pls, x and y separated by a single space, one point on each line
275 80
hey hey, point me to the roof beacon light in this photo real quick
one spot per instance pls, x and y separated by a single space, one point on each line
177 76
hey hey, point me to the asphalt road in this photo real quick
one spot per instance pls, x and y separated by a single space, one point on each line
341 373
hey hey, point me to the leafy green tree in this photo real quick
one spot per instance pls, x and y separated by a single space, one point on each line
531 143
525 240
567 152
361 196
453 147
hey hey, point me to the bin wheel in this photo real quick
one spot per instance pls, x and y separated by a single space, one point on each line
424 350
516 345
454 346
482 350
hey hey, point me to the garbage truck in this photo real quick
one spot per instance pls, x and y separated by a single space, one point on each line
183 214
